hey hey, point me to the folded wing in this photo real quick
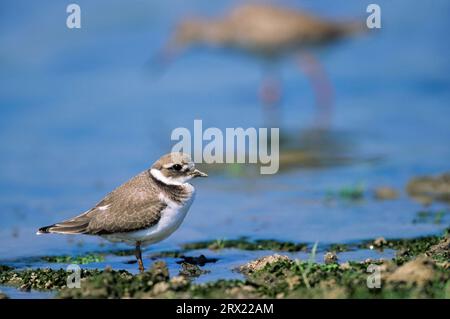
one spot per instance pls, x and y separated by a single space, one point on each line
116 213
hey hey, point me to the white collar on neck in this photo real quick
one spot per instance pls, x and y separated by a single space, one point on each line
168 181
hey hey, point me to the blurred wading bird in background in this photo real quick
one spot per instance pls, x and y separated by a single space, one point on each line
271 33
145 210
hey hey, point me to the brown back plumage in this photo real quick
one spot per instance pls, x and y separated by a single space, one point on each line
265 29
132 206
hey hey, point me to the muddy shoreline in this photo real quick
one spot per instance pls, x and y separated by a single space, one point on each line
420 269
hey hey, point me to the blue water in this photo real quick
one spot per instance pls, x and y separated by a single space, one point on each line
80 114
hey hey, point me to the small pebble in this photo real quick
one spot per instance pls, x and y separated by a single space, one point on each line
379 242
330 258
385 193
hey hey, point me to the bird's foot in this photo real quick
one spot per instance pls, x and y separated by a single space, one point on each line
141 266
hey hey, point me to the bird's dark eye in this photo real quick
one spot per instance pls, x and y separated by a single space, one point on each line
177 167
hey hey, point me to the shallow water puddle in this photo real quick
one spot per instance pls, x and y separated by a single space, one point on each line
15 293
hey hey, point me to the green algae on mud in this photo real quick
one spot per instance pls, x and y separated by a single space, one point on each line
191 270
5 268
118 284
40 279
244 243
420 270
410 248
285 279
430 217
351 193
81 259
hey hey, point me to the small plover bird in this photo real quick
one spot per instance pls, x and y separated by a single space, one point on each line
270 33
145 210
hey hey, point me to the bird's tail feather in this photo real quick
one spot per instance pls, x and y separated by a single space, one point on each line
66 227
352 27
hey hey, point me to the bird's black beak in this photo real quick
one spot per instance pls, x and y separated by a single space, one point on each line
197 173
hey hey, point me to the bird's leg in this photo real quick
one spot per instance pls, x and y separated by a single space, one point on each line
321 86
270 92
270 96
139 256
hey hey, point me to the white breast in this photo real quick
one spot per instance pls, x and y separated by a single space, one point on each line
171 218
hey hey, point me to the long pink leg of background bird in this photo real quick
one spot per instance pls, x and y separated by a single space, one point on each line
322 87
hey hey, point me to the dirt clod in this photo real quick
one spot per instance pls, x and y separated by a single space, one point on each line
380 242
330 258
190 270
385 193
429 188
441 249
260 263
418 271
200 260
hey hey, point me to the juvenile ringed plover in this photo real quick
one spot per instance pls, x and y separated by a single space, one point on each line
145 210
